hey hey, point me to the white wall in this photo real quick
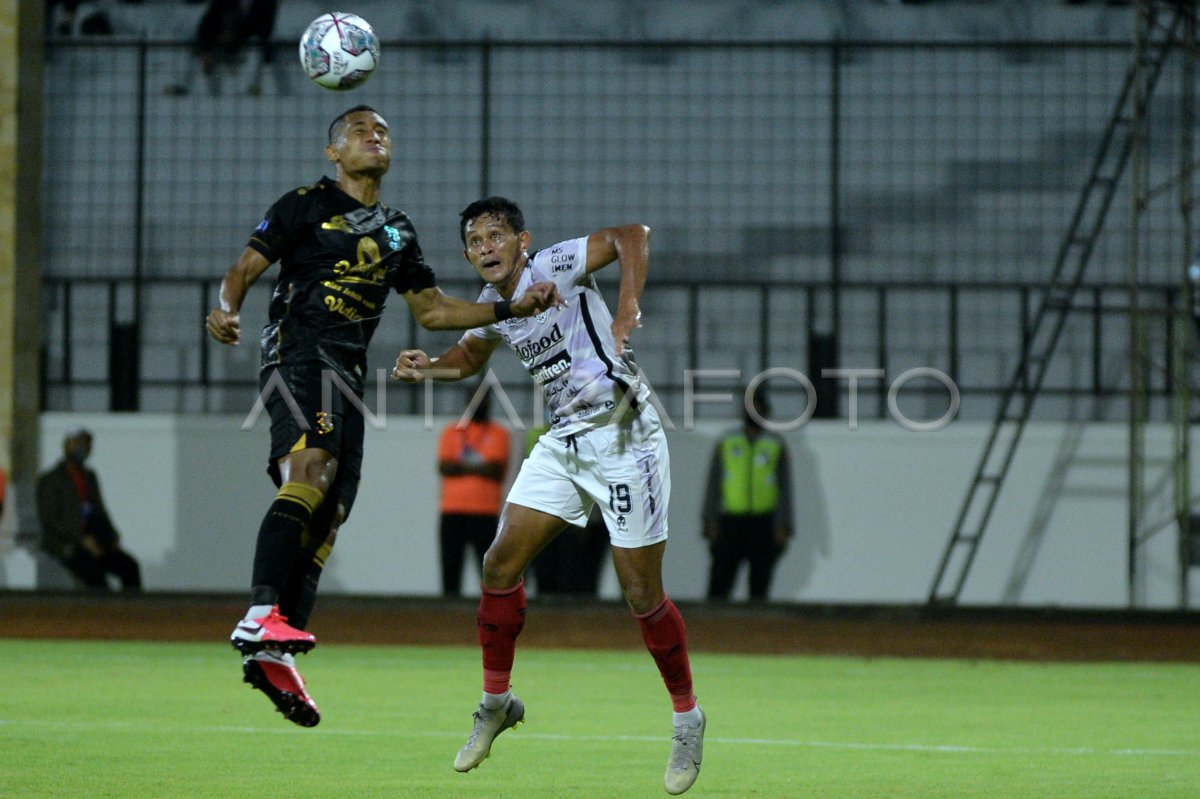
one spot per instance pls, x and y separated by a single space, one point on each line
874 509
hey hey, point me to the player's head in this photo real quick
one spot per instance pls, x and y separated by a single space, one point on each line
494 235
359 141
501 208
338 125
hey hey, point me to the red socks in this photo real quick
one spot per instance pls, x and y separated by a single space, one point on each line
666 638
499 620
501 616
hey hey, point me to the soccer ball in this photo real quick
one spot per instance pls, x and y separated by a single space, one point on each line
339 51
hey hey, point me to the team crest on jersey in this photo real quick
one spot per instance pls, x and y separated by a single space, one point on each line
393 236
542 317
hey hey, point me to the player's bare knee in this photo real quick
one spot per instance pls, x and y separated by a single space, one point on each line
312 467
320 478
498 572
642 597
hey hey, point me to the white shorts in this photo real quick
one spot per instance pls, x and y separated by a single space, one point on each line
626 469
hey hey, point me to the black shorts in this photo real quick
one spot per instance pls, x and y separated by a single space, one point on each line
299 421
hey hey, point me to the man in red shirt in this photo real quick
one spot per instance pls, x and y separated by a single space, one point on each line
473 462
76 528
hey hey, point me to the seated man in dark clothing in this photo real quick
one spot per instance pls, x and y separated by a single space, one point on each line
76 528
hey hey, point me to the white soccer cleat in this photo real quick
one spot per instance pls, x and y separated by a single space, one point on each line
687 749
488 724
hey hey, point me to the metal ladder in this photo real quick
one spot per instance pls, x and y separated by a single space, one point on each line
1046 327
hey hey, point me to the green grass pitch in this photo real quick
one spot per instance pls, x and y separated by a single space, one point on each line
121 719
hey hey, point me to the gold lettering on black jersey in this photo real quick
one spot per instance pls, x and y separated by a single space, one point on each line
368 268
339 306
338 223
368 251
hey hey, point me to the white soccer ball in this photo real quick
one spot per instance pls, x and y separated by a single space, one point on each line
339 51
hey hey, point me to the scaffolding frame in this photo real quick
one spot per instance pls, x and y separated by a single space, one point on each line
1183 310
1123 143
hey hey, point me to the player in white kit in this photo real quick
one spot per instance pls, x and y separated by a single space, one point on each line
605 445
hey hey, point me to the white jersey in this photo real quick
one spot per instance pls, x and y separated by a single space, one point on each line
569 351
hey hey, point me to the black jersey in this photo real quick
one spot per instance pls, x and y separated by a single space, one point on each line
339 259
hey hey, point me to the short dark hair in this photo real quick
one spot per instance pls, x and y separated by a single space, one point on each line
340 118
77 432
499 207
483 411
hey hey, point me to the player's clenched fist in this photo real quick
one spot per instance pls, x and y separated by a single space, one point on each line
410 365
536 299
225 327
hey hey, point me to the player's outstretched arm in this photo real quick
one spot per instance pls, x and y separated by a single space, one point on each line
435 310
464 359
224 323
630 244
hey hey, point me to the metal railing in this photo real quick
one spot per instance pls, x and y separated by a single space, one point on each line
209 376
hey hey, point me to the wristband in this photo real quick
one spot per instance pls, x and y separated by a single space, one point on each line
502 309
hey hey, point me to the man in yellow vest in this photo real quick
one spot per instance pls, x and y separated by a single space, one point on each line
747 505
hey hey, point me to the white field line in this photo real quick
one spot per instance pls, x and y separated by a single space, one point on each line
952 749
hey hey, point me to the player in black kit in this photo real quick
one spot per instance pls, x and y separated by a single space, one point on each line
341 252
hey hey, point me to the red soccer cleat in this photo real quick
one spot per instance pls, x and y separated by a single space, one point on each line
276 676
270 632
